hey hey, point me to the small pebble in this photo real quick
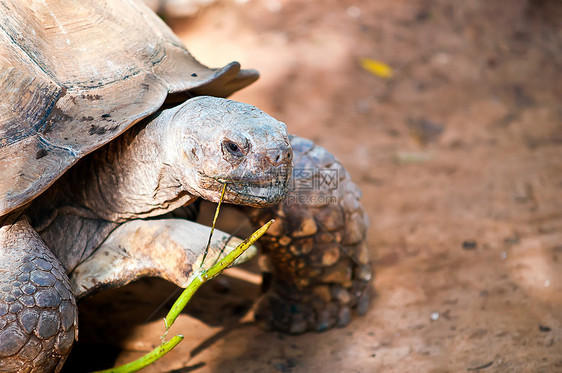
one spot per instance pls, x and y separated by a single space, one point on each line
469 245
280 365
353 12
503 255
544 328
434 316
441 58
274 6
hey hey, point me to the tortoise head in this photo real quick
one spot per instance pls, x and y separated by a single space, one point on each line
223 141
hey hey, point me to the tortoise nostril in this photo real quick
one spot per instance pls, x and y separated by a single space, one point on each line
280 155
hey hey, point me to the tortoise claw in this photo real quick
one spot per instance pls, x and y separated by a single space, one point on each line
310 310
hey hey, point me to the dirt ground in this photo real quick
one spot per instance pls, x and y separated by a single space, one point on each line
458 155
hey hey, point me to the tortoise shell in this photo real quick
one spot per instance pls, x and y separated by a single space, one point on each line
76 74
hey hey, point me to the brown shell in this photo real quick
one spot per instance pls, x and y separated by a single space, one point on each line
76 74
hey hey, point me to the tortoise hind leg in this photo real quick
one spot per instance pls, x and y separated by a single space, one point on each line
316 250
38 314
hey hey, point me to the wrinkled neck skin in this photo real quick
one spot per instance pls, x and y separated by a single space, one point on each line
131 177
183 153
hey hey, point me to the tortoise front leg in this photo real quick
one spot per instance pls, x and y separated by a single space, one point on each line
38 314
316 250
171 249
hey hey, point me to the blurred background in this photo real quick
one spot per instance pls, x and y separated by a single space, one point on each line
448 115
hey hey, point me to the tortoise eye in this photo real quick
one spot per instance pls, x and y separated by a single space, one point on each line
233 148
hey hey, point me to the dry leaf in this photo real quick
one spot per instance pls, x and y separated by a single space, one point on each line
377 68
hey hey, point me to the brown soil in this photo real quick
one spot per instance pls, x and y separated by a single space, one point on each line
458 155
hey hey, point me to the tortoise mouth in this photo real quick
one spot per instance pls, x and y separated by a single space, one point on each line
253 190
257 194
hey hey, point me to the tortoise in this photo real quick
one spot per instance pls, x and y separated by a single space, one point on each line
109 131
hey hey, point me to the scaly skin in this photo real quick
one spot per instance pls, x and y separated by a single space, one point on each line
38 314
316 251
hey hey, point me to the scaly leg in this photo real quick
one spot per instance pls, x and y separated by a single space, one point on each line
316 250
38 314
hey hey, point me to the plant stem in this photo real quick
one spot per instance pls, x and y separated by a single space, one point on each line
183 299
206 275
147 359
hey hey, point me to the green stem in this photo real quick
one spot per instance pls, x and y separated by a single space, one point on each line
182 301
147 359
204 276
